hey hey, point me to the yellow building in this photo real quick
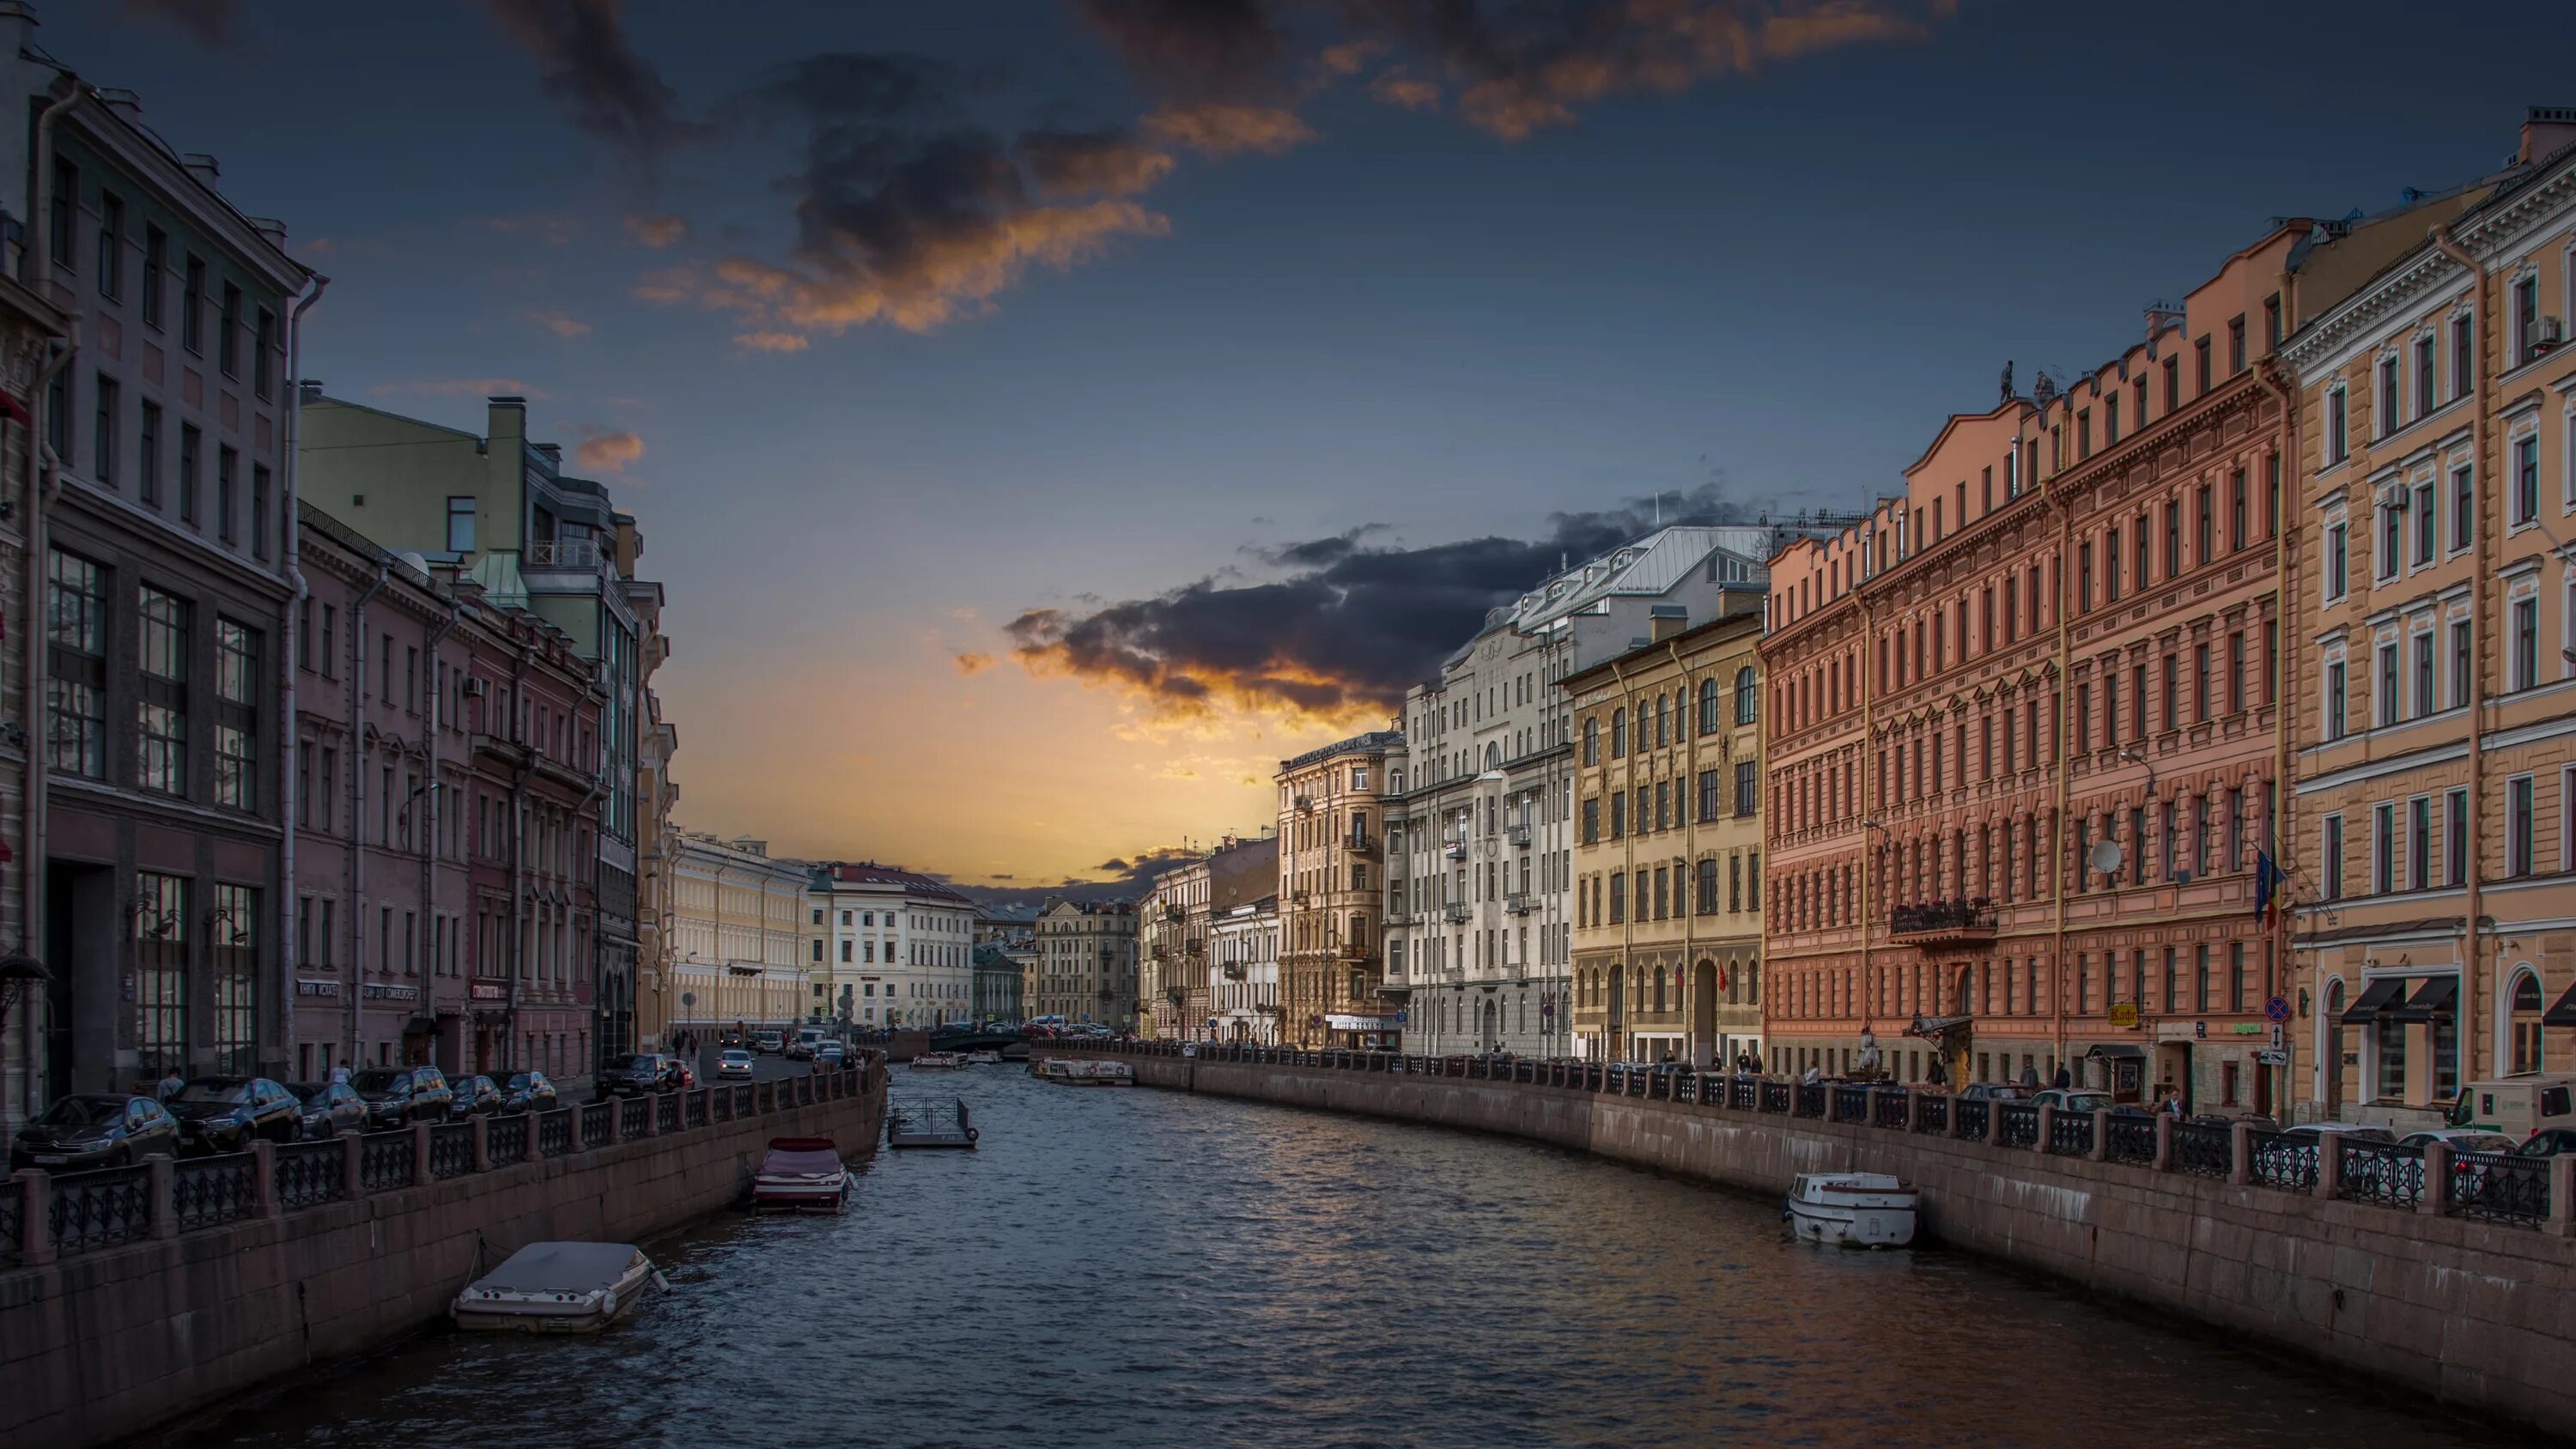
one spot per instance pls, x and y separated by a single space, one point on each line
742 943
1668 842
1332 894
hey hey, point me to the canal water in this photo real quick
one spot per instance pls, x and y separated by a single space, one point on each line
1143 1268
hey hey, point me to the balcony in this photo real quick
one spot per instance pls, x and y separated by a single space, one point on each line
1520 903
1518 835
1175 913
1943 923
1305 804
561 555
1354 951
1363 846
1457 850
1456 911
1194 947
1300 898
1233 970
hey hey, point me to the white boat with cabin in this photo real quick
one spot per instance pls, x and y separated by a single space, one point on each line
557 1288
1851 1209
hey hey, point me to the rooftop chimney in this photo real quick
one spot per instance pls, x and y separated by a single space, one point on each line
271 228
201 166
506 416
553 452
2545 129
309 389
1667 620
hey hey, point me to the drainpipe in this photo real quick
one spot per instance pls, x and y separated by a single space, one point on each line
2472 943
433 815
1868 730
290 554
356 870
1690 918
42 490
1627 858
526 641
2284 707
2065 507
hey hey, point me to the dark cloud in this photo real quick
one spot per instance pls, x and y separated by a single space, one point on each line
208 22
586 62
1075 163
1184 47
1112 866
1340 637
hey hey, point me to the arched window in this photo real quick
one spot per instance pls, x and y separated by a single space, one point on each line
1619 734
1748 703
2526 1023
1708 707
1592 739
1493 755
1663 719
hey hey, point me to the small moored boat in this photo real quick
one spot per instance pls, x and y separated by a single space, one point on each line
1072 1072
557 1288
801 1175
928 1124
1851 1209
984 1058
937 1062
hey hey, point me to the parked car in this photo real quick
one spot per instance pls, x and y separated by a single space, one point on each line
1992 1092
2550 1142
95 1129
2341 1131
734 1066
2460 1139
769 1042
830 1054
799 1050
329 1109
643 1072
528 1092
400 1096
475 1096
228 1114
2074 1099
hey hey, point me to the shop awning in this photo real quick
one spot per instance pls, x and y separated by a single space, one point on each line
2116 1052
2562 1014
2376 998
2433 996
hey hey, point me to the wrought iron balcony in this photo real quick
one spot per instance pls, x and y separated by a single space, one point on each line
1457 850
562 554
1455 911
1174 913
1943 923
1367 847
1194 947
1299 898
1355 951
1520 903
1518 835
1233 970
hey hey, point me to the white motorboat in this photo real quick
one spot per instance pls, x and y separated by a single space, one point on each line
801 1175
984 1058
1074 1072
937 1062
557 1288
1851 1209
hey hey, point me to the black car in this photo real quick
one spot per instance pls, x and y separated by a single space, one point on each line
476 1096
95 1129
400 1096
330 1108
528 1092
2548 1142
641 1073
228 1114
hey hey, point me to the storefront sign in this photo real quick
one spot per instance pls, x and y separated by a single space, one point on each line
310 986
489 991
389 991
2124 1013
1339 1022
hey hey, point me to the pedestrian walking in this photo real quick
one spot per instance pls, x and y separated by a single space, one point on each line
2064 1079
171 1085
340 1073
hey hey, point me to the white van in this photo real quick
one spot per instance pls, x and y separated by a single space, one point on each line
2517 1106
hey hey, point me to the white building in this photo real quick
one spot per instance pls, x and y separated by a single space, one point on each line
898 948
1244 996
1479 832
738 937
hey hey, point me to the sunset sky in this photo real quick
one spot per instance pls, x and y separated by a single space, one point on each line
1046 414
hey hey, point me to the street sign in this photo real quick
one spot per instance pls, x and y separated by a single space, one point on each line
2124 1013
2277 1009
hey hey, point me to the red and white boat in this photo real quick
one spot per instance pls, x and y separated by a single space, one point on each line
801 1175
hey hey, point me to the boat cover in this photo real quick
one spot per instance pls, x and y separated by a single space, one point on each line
800 1160
560 1268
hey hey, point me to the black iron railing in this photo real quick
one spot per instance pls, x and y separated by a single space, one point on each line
1851 1104
309 1174
208 1192
1977 915
101 1209
2499 1187
598 1122
2070 1134
2380 1172
1811 1100
1891 1109
1970 1117
666 1112
13 1220
1932 1114
384 1160
2019 1126
555 1131
451 1150
2132 1140
505 1140
634 1115
2279 1159
2203 1150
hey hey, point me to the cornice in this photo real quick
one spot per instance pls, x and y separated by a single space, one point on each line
2489 228
2362 314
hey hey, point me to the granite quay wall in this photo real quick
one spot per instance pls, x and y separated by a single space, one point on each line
2451 1276
141 1294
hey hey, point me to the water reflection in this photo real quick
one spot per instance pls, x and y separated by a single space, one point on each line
1134 1267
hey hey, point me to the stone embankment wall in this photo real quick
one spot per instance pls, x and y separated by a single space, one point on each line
2479 1314
111 1343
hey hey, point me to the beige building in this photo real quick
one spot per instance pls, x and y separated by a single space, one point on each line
2432 833
1085 969
657 849
1332 901
742 948
1668 842
1178 930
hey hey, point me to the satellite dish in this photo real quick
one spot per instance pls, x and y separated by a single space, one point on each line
2105 858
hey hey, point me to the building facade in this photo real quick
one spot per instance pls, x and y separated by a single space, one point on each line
897 948
1245 950
1086 965
1668 848
1332 889
743 940
2433 829
163 523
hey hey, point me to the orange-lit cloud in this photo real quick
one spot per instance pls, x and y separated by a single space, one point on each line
657 232
971 662
561 325
1396 88
769 341
1091 163
1218 129
606 450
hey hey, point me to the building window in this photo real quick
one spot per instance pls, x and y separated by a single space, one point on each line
156 261
147 457
236 716
2387 713
2526 643
2455 838
1710 786
2464 509
227 464
1747 788
235 932
161 976
1748 697
2383 848
1711 712
162 710
2338 425
192 307
2526 479
2330 859
263 363
2526 319
2517 830
228 341
2236 345
259 510
76 664
2338 560
1619 734
189 449
102 456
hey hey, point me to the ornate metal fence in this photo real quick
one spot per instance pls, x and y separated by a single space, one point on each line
2278 1159
555 1131
1891 1109
666 1111
634 1114
597 1120
2202 1150
506 1140
1851 1104
1811 1100
2500 1187
101 1209
310 1174
1969 1117
451 1150
2070 1134
384 1160
2020 1126
693 1108
2380 1172
2132 1140
207 1192
13 1219
1933 1114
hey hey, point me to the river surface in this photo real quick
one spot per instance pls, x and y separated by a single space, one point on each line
1143 1268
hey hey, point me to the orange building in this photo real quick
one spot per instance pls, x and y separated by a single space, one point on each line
2062 635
